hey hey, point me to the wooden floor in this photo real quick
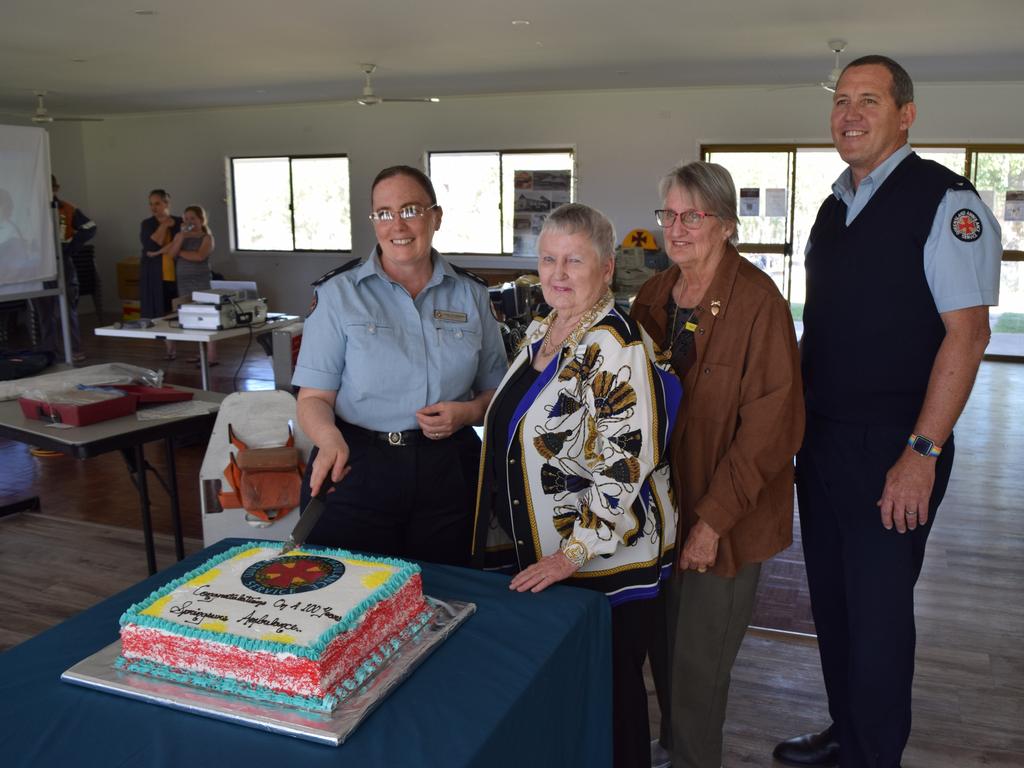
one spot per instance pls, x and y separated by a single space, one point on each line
969 690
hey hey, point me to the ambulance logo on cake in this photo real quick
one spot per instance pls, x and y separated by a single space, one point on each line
291 575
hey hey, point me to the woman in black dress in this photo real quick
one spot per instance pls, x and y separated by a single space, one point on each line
157 287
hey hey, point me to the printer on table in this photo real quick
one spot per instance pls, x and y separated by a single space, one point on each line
218 309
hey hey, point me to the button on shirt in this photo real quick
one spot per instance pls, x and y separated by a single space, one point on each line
388 355
959 274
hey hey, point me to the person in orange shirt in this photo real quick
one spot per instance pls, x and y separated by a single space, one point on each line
76 229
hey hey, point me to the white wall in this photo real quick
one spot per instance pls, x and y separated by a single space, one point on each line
624 142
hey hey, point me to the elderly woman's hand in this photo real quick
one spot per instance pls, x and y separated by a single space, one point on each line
542 574
700 550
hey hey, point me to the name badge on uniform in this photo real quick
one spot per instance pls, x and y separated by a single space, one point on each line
448 316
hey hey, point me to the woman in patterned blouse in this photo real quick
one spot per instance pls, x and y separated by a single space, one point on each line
574 483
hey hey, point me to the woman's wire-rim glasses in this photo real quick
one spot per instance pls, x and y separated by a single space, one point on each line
406 212
691 219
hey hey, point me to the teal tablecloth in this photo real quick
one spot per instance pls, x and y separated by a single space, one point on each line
524 682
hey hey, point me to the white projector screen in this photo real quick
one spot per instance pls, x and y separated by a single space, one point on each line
27 248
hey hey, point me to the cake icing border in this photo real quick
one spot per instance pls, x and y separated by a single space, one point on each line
406 570
344 688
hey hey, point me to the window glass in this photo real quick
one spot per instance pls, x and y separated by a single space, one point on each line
762 192
478 194
262 200
999 179
524 161
291 203
323 218
467 188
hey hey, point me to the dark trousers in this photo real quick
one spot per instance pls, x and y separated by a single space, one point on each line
632 625
48 310
861 578
414 501
699 626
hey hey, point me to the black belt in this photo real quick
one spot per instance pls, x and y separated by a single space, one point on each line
396 439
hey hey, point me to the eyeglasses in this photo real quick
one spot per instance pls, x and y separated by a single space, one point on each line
691 219
406 213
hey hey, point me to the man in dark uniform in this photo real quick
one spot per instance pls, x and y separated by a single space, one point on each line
75 229
902 265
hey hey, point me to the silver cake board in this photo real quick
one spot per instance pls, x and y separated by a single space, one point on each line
98 671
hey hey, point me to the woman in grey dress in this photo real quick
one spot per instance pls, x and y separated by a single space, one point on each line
191 249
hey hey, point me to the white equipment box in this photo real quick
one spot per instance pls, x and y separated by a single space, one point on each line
215 296
210 317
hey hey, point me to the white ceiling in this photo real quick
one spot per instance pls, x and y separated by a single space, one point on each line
102 58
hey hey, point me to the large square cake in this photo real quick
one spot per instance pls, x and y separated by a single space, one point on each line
303 629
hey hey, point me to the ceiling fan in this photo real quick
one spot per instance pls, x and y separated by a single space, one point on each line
42 115
837 46
370 97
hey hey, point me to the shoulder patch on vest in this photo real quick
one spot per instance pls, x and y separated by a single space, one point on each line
966 225
470 275
336 271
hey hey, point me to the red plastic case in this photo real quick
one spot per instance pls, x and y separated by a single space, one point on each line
78 415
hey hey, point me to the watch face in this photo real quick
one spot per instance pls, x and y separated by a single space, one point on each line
922 445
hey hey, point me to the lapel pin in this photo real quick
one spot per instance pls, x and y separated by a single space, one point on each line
716 306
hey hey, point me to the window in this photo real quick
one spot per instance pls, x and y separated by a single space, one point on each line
786 184
291 203
478 194
763 178
998 175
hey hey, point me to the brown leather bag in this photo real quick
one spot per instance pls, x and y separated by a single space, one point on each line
267 481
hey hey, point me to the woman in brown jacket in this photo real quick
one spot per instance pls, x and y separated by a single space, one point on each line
732 342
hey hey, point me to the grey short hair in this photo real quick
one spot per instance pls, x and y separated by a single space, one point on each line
573 218
712 185
902 86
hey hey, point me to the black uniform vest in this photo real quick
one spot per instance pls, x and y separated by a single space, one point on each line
871 328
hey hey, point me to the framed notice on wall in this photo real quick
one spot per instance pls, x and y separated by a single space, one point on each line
537 193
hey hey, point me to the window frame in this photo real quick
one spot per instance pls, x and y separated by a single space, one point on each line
501 153
971 151
291 200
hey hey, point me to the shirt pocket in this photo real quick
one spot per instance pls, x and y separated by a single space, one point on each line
459 353
369 333
458 337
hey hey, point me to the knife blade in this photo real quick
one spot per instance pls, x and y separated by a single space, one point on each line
314 508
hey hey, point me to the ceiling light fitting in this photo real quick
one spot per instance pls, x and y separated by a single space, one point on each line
837 46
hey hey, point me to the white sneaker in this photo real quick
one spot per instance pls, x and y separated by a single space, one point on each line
660 758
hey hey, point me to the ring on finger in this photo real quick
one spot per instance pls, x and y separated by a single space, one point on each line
702 569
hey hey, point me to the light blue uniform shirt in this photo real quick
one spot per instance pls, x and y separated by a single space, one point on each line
960 274
388 355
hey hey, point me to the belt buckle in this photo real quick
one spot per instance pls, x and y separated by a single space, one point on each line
396 438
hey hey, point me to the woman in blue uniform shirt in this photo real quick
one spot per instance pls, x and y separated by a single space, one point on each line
400 356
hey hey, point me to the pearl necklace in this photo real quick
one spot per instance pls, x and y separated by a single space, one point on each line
548 347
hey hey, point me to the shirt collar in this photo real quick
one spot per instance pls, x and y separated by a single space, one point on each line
843 186
372 266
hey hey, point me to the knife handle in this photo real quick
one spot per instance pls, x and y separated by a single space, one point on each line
325 488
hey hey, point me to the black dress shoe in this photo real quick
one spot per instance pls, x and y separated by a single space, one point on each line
809 749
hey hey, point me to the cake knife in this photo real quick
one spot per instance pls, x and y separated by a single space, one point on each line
314 508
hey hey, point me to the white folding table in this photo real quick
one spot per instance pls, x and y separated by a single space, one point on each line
169 330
